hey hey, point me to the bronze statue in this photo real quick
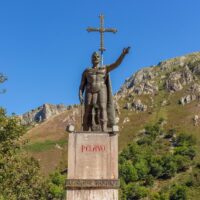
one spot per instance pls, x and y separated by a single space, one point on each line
95 83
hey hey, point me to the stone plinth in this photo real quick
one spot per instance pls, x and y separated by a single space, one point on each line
92 166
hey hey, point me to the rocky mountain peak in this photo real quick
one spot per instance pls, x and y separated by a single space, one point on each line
43 113
172 74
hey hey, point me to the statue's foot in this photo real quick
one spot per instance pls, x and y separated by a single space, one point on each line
104 128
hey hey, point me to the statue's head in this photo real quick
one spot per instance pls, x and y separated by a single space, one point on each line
95 58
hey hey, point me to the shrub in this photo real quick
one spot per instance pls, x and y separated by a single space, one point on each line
185 151
56 186
128 172
169 166
184 140
156 168
145 140
178 192
142 168
135 192
149 180
182 162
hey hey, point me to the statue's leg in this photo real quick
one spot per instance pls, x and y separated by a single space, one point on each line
87 118
103 108
94 111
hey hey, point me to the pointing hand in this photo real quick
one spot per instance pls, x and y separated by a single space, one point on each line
126 50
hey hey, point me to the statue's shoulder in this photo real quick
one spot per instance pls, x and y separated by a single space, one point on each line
103 67
87 70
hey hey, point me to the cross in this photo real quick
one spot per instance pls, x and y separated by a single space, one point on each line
101 30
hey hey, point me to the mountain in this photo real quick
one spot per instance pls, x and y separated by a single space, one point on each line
169 91
42 113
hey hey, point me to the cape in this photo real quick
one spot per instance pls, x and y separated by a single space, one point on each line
110 103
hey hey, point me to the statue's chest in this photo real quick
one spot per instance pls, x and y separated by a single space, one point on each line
96 75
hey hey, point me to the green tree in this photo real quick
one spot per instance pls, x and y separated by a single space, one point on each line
56 186
19 174
2 79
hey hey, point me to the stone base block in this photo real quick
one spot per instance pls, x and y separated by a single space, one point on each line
101 194
92 166
92 155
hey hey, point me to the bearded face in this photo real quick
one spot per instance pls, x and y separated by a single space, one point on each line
95 58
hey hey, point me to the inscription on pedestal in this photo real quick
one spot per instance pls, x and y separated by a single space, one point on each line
93 148
101 184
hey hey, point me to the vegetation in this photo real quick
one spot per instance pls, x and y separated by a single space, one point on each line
20 177
2 79
159 164
44 146
156 156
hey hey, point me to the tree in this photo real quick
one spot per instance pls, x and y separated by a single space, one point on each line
19 174
2 79
56 186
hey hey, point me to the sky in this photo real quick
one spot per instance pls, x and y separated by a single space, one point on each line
44 45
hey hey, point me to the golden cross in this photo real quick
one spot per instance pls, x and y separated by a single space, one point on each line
101 30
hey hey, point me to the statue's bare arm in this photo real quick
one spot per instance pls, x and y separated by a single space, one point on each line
118 61
82 87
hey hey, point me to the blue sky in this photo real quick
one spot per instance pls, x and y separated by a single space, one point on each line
44 45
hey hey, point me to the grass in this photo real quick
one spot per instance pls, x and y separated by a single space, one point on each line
44 146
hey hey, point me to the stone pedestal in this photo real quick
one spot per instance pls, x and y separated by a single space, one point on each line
92 166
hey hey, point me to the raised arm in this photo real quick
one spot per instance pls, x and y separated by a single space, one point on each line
118 61
82 87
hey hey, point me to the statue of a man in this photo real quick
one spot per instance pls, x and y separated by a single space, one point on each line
98 102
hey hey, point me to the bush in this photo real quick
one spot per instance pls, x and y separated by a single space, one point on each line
169 166
194 179
142 168
56 185
128 172
182 163
135 192
170 133
159 196
178 192
156 168
184 140
145 140
149 180
153 130
185 151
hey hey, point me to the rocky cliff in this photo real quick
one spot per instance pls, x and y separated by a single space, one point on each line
170 76
43 113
